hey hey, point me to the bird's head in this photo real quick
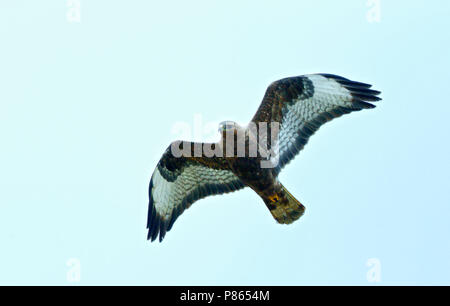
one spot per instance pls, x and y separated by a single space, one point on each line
228 126
231 131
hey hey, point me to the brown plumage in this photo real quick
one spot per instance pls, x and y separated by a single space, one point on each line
292 110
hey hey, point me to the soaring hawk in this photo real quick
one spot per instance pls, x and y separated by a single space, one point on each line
300 105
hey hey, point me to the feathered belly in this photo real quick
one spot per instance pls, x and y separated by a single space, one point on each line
250 172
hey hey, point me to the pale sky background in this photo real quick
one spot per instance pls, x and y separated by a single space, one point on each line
87 109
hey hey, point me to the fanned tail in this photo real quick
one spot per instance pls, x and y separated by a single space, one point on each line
284 207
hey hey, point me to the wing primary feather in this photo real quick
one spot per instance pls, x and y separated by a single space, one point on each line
151 208
365 91
163 229
173 218
362 105
345 82
155 227
353 84
365 97
150 226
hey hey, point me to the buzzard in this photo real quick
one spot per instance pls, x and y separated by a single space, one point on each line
291 111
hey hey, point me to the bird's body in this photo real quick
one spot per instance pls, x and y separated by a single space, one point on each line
263 180
291 111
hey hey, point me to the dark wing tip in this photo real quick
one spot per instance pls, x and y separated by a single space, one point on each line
162 229
361 98
154 229
153 219
156 224
361 92
157 227
345 81
151 208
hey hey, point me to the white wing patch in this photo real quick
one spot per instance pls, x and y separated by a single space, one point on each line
168 199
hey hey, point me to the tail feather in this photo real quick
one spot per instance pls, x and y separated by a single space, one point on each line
284 207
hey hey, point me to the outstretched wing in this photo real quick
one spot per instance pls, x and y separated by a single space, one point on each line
177 182
302 104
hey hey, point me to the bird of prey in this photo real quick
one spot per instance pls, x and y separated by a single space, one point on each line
299 105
